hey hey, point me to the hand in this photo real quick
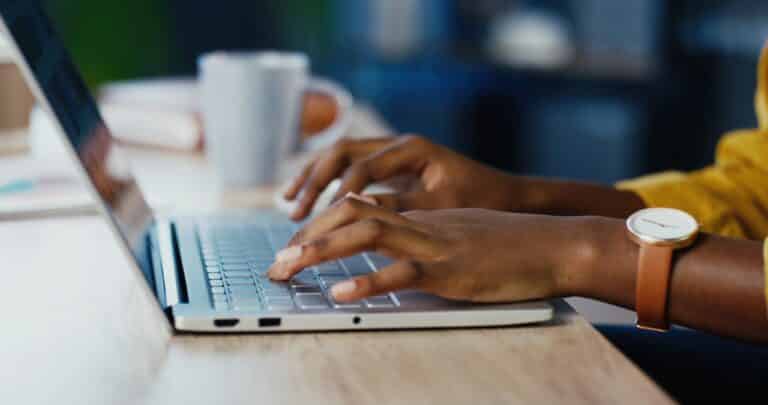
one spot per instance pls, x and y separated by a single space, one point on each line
426 176
463 254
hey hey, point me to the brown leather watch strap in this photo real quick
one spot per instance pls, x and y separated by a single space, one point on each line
653 274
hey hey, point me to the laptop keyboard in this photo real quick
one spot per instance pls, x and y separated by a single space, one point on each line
237 258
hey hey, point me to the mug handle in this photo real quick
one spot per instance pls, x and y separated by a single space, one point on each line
344 103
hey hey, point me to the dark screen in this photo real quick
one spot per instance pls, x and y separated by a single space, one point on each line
64 90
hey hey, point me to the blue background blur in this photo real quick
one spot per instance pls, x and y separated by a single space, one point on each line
588 89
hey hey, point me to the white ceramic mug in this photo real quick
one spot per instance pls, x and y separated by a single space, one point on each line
252 106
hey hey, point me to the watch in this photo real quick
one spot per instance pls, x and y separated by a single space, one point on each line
658 232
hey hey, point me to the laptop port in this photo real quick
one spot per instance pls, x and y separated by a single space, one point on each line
226 323
269 322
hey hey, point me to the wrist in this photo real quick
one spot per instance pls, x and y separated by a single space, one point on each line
600 258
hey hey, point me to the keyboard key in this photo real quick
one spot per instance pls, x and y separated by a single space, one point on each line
221 306
305 280
279 239
232 255
381 301
272 292
356 265
330 269
378 260
284 301
216 283
311 301
248 306
238 261
236 267
306 289
263 259
214 276
240 281
213 269
346 305
279 307
243 290
217 290
237 274
246 297
329 281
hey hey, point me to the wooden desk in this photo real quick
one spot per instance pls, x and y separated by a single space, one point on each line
77 330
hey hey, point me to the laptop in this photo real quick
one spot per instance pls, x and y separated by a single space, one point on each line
208 274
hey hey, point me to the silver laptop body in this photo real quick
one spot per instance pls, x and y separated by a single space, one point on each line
208 273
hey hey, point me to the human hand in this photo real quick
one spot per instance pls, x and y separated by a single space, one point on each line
463 254
425 176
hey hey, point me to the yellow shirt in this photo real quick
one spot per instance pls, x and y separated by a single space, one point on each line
729 198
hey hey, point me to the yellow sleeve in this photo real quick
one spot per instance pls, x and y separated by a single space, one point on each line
729 198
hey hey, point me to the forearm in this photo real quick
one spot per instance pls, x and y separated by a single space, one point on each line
716 286
561 197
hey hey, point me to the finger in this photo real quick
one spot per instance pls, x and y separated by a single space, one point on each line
367 235
399 276
324 172
292 191
415 200
329 167
344 212
401 157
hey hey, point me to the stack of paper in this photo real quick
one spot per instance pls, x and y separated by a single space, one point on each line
158 113
29 188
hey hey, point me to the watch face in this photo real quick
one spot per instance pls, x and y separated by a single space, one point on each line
662 225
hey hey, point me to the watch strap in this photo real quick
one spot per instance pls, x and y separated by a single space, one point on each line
653 275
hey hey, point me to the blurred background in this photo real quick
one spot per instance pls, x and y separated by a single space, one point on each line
588 89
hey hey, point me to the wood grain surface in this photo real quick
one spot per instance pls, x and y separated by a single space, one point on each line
79 328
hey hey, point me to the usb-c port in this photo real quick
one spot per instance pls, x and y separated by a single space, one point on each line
226 323
269 322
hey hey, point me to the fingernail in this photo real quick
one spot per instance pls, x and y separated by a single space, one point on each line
363 198
343 288
288 254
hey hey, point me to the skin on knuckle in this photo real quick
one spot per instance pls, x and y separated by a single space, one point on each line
417 275
359 169
350 208
316 249
375 229
418 141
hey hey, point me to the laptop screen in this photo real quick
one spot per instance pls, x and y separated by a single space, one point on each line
74 108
